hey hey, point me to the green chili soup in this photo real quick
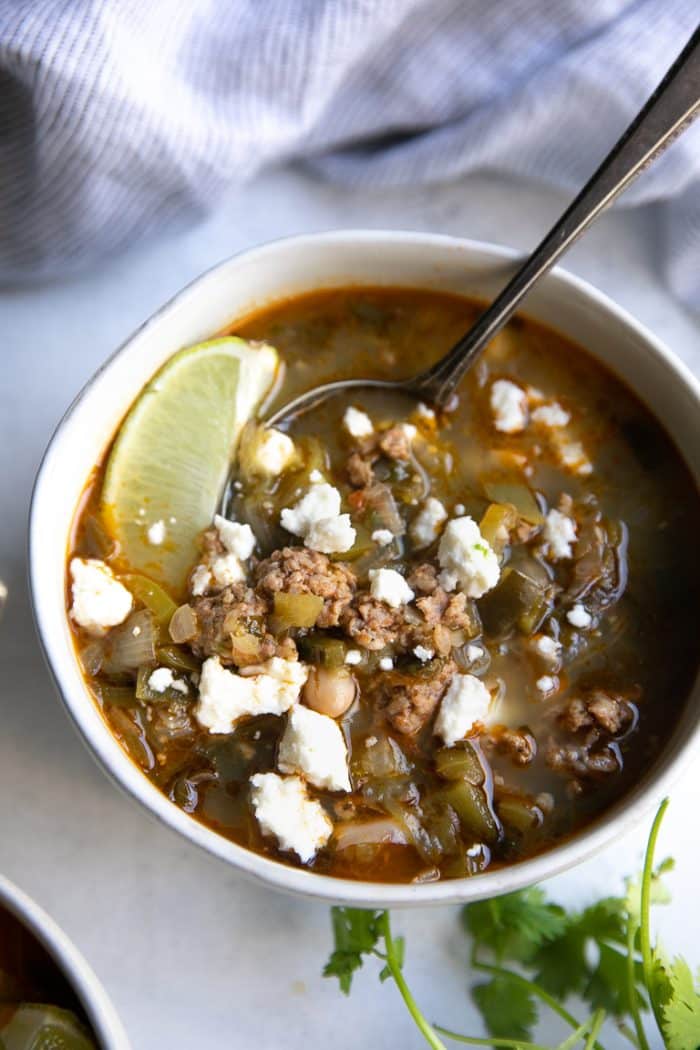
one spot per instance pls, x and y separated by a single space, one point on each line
416 645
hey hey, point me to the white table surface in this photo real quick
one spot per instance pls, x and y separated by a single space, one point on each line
194 957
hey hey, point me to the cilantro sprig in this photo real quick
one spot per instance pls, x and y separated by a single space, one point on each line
533 954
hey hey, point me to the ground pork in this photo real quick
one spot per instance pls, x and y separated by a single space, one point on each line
408 701
396 443
374 625
297 570
231 625
583 762
591 722
359 471
600 711
517 744
424 579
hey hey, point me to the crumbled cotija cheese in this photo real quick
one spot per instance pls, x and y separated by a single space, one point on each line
222 570
274 451
317 519
425 527
547 683
546 647
283 809
572 455
237 538
579 616
465 704
467 559
357 423
550 415
388 585
163 678
226 569
386 664
509 406
331 535
200 581
353 657
225 696
313 745
559 533
423 653
99 600
383 537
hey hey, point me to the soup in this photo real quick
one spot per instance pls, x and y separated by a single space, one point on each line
29 982
416 646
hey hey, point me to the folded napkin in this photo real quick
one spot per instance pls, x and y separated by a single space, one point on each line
117 116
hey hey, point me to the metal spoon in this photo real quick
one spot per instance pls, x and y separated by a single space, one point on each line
669 111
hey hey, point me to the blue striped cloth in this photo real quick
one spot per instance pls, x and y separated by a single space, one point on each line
117 116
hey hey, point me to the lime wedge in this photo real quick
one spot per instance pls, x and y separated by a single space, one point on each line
173 453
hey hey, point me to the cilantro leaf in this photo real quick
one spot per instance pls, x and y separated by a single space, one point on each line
507 1007
605 920
516 925
681 1011
607 985
356 933
562 964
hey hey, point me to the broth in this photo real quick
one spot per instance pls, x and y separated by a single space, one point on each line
573 730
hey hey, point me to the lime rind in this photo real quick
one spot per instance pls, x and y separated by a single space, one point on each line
174 450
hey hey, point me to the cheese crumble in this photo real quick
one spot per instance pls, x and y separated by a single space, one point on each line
388 585
465 704
560 534
467 559
425 527
99 600
313 745
274 452
283 809
579 617
225 696
383 537
509 406
163 678
357 423
316 518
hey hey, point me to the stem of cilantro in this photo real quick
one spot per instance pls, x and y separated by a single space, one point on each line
641 1039
535 989
596 1025
629 1035
573 1039
394 965
514 1044
644 920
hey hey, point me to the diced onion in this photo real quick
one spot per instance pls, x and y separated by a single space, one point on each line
183 625
369 832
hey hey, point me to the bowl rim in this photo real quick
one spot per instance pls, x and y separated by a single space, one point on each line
621 816
88 988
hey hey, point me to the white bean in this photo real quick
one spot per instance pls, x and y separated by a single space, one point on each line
330 692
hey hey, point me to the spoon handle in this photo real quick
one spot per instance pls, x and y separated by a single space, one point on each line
671 108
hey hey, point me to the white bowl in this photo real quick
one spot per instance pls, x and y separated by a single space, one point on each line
99 1010
232 290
